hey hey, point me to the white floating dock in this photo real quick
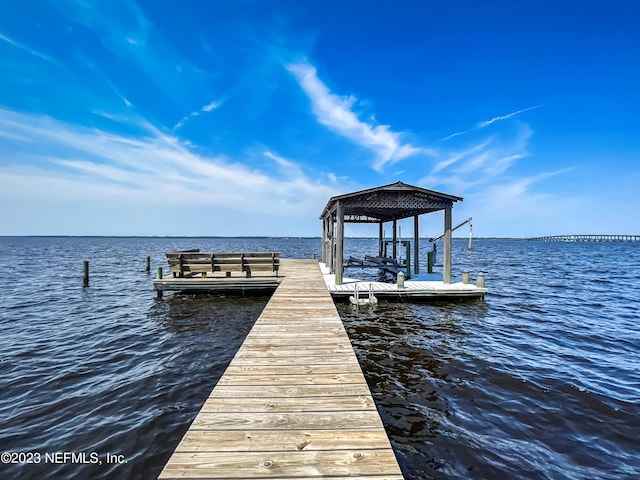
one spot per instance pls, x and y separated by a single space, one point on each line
420 288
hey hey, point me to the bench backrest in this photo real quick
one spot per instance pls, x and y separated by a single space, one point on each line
195 261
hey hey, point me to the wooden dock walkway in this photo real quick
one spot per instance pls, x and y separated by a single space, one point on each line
293 403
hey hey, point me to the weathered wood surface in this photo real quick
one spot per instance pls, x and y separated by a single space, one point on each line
194 261
293 403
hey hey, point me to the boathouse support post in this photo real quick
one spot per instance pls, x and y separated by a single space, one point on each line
324 239
339 242
416 246
380 238
329 240
394 238
446 262
330 236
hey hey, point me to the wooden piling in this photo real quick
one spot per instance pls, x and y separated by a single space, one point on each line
159 277
339 255
85 280
446 258
159 273
416 245
148 270
430 261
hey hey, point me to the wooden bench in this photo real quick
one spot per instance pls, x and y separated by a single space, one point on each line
193 262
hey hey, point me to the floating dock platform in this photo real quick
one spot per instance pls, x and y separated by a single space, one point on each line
427 289
293 402
196 283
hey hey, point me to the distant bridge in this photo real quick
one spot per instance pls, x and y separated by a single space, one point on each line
588 238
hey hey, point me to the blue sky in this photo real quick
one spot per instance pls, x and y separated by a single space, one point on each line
244 117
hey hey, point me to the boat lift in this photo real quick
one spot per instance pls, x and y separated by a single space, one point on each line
384 261
431 256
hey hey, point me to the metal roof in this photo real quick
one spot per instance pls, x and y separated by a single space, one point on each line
385 203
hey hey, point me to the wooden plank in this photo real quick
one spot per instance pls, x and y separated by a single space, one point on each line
243 359
266 420
304 464
293 403
289 379
287 404
308 369
297 391
262 441
182 263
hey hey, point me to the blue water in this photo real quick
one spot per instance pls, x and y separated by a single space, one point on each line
539 380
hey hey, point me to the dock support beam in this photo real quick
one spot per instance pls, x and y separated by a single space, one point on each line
416 246
380 238
394 248
329 243
446 261
324 240
339 243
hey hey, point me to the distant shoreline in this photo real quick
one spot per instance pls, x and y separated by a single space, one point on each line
240 237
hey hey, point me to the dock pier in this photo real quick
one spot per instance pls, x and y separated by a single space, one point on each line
293 402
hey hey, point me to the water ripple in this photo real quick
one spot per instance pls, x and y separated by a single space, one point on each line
540 380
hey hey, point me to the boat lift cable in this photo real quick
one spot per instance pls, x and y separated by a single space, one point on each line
435 240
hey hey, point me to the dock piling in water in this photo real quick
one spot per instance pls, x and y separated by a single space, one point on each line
431 261
85 280
159 277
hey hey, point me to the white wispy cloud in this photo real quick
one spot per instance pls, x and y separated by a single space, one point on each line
453 135
212 106
455 157
94 166
204 109
29 50
486 123
481 166
287 167
336 112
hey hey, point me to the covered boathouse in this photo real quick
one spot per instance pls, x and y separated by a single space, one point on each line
383 204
